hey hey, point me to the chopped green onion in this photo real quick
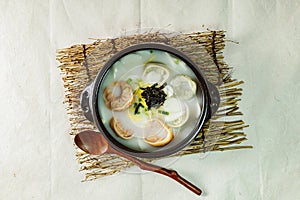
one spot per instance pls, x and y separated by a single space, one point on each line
136 111
129 81
163 112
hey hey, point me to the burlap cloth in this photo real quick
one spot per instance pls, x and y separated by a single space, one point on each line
79 64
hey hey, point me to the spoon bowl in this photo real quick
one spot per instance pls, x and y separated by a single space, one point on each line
91 142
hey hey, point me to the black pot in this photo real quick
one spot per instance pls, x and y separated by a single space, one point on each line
89 99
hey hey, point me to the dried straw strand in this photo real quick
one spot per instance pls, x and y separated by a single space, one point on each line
79 64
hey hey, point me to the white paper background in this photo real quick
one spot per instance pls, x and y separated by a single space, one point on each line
37 156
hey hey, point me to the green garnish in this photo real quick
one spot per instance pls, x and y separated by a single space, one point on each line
176 61
129 81
136 111
163 112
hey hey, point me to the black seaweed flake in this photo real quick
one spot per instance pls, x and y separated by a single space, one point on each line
154 96
136 110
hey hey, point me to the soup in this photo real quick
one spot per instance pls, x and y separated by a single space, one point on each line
149 99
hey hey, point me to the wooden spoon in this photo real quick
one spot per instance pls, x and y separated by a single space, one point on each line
94 143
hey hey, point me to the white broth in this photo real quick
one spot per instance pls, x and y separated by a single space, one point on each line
149 74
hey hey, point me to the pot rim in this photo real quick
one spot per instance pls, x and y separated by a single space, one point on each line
205 114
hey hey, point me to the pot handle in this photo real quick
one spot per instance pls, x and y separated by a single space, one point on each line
85 103
214 98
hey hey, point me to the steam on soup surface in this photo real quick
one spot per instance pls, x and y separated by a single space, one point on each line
149 99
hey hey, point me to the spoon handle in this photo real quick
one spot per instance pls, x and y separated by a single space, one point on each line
167 172
174 175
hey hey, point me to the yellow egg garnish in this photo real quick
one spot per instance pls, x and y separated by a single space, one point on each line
139 98
134 117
